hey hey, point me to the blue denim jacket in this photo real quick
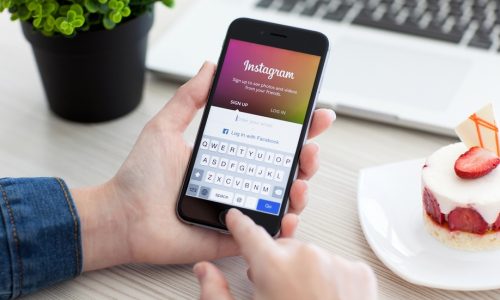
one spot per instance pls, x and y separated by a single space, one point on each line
40 242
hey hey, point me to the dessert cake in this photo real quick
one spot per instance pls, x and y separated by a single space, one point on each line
461 187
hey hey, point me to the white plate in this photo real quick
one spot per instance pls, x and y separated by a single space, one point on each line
390 211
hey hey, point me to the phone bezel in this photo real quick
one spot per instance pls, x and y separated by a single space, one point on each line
206 213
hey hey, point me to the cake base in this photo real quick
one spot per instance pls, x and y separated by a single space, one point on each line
462 240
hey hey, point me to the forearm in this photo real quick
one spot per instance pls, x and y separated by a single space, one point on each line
103 227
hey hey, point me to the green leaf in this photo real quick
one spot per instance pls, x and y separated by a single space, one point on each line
77 9
168 3
37 22
108 24
90 5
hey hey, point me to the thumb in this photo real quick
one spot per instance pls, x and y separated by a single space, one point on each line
212 281
190 97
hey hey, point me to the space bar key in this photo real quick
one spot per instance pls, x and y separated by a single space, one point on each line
221 196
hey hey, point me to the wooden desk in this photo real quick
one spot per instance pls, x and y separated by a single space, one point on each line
36 143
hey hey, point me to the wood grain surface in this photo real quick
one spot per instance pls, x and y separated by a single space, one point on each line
33 142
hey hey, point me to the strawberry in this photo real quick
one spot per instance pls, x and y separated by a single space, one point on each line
432 207
468 220
496 225
476 163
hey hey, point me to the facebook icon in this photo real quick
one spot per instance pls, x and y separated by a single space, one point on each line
225 131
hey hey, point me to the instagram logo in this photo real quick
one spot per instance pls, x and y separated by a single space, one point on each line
261 68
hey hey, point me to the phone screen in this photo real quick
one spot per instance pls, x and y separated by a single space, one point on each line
253 127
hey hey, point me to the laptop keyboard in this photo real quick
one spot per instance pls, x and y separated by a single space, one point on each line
468 22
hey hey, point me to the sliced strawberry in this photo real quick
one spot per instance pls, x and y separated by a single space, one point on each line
432 207
496 225
468 220
476 163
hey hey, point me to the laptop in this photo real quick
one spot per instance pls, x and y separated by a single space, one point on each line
424 64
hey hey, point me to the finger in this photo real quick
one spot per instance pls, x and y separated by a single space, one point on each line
190 97
252 239
249 274
322 119
298 196
212 281
289 225
308 161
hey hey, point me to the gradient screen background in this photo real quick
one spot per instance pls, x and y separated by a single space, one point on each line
247 86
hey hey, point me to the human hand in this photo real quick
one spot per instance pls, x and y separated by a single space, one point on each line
287 268
132 217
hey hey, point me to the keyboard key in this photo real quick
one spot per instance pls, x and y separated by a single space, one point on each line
339 13
288 161
278 159
197 174
232 149
223 147
251 169
204 143
210 177
264 3
223 163
221 196
192 190
270 173
250 202
205 158
233 165
279 176
242 167
266 189
256 187
247 185
288 5
204 192
269 157
312 9
268 206
214 161
261 171
228 181
214 145
219 178
260 155
239 200
251 153
481 41
278 192
242 150
238 183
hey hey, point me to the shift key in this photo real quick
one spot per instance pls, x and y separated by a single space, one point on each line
221 196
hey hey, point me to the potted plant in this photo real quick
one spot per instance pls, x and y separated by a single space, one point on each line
90 53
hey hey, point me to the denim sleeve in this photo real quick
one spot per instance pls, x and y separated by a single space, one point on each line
40 242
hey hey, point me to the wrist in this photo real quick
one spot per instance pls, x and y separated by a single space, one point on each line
103 226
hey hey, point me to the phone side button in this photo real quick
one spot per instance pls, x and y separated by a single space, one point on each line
268 206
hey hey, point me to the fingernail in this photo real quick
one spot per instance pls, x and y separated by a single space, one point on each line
200 270
333 115
203 65
317 147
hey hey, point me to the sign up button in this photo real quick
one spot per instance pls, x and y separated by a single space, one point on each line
268 206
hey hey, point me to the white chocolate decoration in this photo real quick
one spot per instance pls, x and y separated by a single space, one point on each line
451 191
480 130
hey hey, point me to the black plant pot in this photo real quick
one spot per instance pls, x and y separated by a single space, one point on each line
97 75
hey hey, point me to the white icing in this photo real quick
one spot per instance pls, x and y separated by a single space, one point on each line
451 191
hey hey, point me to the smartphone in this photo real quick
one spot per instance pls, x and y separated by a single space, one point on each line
254 125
